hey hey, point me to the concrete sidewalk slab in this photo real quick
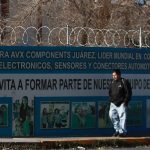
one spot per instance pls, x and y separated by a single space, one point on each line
81 140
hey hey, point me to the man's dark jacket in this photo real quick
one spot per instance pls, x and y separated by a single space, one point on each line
120 92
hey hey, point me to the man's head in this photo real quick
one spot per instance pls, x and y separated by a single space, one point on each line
116 74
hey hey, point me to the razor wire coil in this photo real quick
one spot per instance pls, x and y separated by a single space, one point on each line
20 35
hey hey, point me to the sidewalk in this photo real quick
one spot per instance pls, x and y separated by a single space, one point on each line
68 142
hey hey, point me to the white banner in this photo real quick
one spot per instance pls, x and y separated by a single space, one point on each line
39 85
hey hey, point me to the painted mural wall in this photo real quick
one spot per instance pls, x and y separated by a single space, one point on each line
63 91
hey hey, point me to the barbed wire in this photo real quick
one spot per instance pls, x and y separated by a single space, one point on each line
68 36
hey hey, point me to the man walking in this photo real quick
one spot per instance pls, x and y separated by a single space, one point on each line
120 93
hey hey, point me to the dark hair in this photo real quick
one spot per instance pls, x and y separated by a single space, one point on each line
117 71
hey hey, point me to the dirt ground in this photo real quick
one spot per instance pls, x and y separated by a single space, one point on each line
9 147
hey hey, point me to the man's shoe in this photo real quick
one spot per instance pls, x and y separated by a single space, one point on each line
121 134
116 134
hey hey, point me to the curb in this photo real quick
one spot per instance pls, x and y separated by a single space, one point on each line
68 142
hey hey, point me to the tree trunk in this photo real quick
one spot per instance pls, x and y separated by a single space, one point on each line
5 8
39 22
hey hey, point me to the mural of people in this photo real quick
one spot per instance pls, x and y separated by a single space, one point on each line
64 116
50 115
16 108
104 121
57 118
18 128
135 109
3 115
148 114
54 115
23 117
44 118
83 115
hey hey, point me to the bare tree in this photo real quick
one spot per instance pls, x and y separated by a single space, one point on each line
39 22
94 14
4 15
5 8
